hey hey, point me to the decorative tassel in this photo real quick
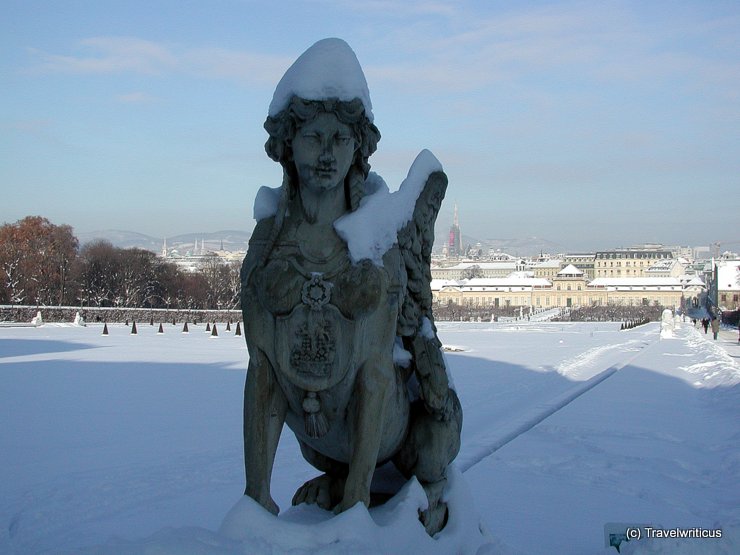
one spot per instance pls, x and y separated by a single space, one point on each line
314 420
316 424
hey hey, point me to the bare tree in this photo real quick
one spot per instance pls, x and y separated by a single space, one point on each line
472 272
11 258
41 263
35 259
136 277
96 268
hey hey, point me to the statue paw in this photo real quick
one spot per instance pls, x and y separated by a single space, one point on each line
324 491
434 518
266 501
348 503
271 506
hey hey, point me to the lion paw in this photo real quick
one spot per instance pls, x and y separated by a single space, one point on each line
434 518
324 491
264 499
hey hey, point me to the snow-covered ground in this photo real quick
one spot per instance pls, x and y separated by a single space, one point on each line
132 444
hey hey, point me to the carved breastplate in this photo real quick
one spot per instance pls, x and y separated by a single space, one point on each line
355 289
318 314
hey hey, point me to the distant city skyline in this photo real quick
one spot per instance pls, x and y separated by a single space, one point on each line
590 124
234 240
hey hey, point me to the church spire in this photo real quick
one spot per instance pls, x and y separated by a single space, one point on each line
454 244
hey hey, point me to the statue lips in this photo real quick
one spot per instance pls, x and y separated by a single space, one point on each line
326 173
327 170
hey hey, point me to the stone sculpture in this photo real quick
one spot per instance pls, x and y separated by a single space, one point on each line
37 320
342 343
79 320
667 324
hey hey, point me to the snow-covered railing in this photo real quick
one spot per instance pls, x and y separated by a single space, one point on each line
24 313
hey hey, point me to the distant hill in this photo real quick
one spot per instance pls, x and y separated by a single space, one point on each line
234 241
528 246
122 239
230 239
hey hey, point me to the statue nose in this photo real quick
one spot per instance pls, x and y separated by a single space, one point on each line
327 155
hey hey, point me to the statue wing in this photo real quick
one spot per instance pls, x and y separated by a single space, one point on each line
416 322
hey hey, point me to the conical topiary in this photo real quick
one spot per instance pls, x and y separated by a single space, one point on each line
161 329
133 328
238 329
185 328
228 325
105 328
214 333
208 326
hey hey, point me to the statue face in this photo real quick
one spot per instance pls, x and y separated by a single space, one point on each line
323 150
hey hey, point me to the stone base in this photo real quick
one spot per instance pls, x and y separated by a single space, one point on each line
394 527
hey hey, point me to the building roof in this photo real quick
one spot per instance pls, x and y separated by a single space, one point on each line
570 270
692 280
697 281
636 282
728 275
481 265
490 283
662 265
552 263
633 253
509 281
437 284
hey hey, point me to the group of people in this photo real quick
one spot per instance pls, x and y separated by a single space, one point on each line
714 323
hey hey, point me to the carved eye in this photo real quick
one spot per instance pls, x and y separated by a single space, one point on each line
343 140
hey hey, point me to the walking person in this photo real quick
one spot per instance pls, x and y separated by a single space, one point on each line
705 324
715 327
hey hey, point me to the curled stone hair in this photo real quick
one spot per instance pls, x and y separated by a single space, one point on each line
283 126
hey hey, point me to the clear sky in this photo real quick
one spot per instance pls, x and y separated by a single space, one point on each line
592 124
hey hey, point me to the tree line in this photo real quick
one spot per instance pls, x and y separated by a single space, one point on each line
43 264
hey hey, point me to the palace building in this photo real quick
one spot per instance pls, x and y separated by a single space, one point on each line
627 262
569 288
467 270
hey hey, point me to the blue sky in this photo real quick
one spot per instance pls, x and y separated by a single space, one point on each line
592 124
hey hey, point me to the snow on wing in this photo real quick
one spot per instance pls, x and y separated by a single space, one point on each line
416 322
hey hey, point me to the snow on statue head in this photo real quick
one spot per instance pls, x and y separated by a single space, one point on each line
325 78
328 69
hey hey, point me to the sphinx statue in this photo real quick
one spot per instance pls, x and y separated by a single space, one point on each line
336 301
